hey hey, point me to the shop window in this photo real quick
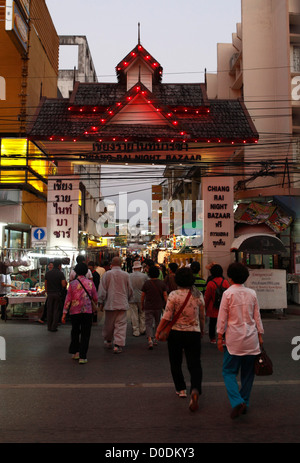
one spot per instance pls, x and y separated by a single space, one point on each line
296 59
32 171
16 239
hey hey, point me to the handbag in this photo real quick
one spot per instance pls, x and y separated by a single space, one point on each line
263 364
164 333
94 304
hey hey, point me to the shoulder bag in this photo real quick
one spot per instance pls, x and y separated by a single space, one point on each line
263 364
94 304
164 333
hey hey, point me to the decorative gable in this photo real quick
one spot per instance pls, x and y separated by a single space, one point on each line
139 66
139 111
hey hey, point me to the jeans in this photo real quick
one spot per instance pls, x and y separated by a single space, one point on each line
188 342
80 333
232 364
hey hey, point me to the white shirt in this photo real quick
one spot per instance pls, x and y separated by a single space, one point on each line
239 318
137 280
115 289
73 275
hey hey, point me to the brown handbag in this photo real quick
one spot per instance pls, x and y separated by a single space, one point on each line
164 333
263 364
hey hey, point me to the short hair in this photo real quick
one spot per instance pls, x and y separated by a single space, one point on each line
116 262
173 266
149 262
216 271
184 277
153 272
56 263
81 269
238 272
195 266
91 263
80 259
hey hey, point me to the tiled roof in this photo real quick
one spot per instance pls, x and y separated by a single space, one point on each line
97 94
182 95
216 119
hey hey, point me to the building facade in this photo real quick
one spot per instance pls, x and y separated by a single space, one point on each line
29 70
261 65
29 56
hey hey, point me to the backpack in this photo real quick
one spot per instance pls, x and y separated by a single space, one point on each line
218 294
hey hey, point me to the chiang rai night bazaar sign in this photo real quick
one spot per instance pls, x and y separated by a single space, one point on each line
218 195
62 212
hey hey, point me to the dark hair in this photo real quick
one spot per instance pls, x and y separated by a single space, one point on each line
173 266
216 271
184 277
153 272
238 272
81 269
80 259
56 263
149 262
195 267
91 263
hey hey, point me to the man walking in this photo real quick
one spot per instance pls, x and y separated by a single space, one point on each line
114 295
55 282
137 280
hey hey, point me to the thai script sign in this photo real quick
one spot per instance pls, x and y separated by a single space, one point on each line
62 212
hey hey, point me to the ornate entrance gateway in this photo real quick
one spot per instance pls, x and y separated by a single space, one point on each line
141 120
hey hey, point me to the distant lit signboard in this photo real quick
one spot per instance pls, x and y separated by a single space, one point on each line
16 25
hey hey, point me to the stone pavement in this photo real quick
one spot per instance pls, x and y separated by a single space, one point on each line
129 399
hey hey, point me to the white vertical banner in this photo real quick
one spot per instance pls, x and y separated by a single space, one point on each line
218 196
62 212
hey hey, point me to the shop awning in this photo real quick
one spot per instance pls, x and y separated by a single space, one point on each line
258 244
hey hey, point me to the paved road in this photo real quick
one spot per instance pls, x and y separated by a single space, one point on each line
129 398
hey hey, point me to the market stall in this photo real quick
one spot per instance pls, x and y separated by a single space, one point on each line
25 303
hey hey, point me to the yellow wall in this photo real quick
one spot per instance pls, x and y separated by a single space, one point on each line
34 210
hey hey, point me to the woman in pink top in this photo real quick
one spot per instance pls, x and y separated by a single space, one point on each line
78 302
239 319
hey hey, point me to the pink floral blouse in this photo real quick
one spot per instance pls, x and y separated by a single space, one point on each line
77 301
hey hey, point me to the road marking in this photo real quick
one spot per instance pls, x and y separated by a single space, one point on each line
135 385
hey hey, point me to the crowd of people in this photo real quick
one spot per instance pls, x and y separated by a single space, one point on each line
155 296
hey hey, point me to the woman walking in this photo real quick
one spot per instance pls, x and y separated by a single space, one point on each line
153 299
78 302
185 335
214 282
239 319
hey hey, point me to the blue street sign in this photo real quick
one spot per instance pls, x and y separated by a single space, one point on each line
39 234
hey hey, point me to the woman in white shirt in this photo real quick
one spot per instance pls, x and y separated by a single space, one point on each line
239 319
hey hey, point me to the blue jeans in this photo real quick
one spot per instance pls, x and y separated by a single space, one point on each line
232 364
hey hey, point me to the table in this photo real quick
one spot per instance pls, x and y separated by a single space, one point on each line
14 300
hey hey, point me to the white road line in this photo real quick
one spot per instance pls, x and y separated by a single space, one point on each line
135 385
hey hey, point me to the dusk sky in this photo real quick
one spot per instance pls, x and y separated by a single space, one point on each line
181 35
